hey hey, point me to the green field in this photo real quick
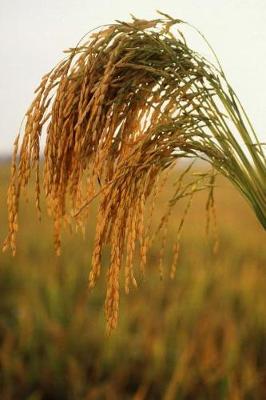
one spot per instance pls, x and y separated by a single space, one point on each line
199 336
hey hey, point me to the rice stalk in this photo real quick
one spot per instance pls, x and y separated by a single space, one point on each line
119 111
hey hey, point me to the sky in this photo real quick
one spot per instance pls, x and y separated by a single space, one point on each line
33 35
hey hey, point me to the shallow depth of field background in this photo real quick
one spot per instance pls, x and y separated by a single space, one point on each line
200 336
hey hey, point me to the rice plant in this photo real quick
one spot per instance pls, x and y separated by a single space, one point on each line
119 111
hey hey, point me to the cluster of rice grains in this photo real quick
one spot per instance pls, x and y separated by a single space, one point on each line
119 111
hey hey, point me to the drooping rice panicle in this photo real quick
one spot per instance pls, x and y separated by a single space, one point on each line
118 111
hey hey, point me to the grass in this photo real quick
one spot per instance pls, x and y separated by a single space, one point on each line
119 111
199 336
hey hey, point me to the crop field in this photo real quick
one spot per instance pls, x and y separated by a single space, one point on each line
201 335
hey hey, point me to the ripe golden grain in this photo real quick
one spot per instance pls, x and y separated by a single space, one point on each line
119 111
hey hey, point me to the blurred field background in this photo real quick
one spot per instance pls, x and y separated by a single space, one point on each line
199 336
